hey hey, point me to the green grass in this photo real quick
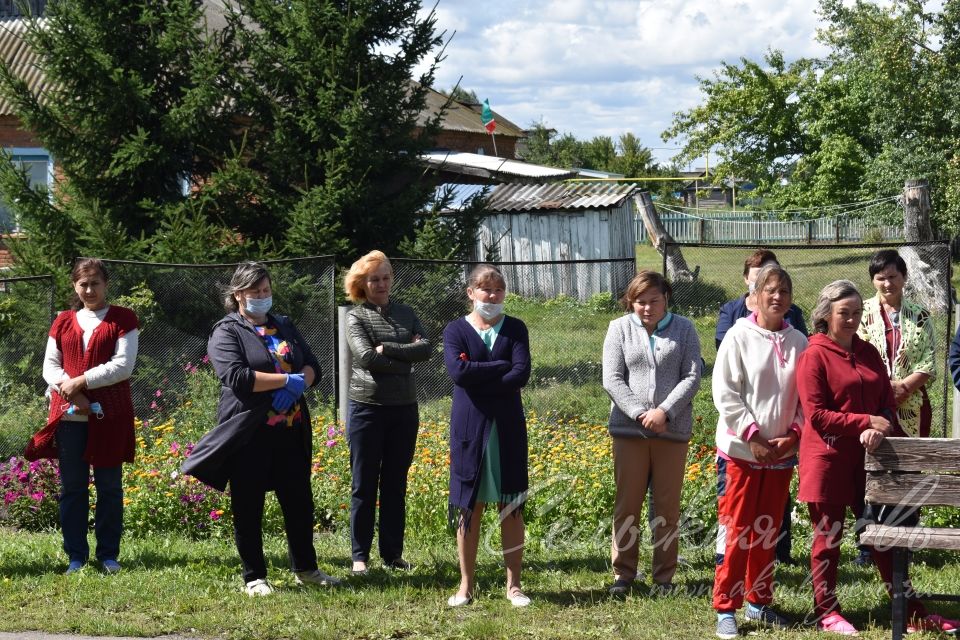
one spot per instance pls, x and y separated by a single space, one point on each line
169 585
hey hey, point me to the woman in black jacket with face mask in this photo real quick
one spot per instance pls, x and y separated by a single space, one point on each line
386 339
262 441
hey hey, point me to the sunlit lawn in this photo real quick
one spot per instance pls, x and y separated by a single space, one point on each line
170 585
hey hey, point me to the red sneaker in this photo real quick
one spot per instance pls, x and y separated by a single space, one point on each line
933 622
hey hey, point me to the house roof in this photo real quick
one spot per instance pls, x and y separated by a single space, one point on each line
559 196
22 60
461 116
25 63
492 168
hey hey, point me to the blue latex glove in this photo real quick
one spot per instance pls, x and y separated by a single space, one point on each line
283 400
295 384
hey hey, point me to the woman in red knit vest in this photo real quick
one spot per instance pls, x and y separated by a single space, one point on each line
91 351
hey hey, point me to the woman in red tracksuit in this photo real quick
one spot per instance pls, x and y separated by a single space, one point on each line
849 407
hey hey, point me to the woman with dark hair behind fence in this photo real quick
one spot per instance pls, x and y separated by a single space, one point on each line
651 370
902 331
487 354
262 440
89 357
849 406
386 339
755 391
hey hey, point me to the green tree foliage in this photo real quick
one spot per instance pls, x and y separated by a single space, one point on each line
291 129
458 93
333 140
131 110
881 107
626 156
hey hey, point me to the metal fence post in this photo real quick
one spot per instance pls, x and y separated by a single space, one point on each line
344 364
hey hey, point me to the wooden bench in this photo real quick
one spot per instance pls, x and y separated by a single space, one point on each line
912 472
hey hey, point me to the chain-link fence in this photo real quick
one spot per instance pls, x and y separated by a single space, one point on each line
566 306
178 304
720 278
26 311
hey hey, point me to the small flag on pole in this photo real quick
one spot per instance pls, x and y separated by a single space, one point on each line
486 117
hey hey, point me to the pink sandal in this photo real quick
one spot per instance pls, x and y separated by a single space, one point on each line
836 623
933 622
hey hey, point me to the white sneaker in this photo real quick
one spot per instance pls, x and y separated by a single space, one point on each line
518 599
259 588
316 577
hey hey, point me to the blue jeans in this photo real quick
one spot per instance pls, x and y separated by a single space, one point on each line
75 497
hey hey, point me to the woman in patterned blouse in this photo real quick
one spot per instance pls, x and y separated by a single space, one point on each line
902 331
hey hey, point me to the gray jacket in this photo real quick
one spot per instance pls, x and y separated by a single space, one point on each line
385 378
638 379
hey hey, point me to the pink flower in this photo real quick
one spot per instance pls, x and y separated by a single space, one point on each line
205 359
174 447
214 515
330 443
153 405
158 393
38 496
331 432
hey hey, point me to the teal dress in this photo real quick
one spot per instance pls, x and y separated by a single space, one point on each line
490 483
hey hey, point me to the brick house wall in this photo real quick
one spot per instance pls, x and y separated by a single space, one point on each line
12 135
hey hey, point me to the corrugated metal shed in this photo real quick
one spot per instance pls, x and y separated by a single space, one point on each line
492 167
563 222
461 116
562 196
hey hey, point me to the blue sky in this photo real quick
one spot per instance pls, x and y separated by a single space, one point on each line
602 67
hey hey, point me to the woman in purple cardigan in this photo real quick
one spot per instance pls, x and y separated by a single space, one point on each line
488 356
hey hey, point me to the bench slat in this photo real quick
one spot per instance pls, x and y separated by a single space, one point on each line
910 537
913 489
915 454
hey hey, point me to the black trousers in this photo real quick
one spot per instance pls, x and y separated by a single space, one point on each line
382 441
274 460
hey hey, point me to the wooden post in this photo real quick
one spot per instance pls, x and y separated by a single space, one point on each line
836 229
810 224
701 230
677 268
928 283
916 211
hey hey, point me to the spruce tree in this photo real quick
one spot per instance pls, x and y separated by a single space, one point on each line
329 90
131 112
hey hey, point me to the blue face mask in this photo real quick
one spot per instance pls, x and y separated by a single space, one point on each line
258 306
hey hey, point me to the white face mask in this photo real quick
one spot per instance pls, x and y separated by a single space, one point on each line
488 310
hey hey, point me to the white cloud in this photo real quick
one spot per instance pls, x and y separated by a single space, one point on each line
602 67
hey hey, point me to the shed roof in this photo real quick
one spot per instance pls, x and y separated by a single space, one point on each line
559 196
492 167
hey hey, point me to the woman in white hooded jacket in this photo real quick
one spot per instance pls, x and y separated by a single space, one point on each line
755 392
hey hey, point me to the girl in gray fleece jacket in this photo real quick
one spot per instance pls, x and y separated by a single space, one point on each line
651 370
